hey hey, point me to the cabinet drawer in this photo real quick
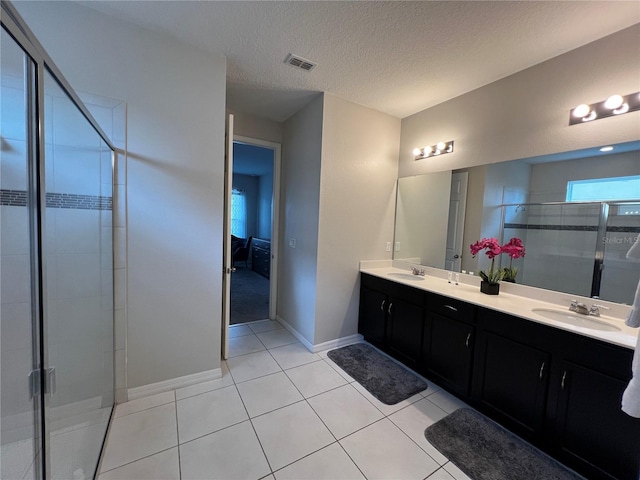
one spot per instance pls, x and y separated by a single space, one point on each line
396 290
452 308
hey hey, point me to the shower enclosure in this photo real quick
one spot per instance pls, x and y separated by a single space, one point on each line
56 260
577 248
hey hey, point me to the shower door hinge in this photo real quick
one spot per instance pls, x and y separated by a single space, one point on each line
34 383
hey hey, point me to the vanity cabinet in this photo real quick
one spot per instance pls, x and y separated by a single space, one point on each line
392 318
447 350
590 432
512 373
559 390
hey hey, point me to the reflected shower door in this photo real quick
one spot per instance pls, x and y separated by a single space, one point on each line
79 280
20 412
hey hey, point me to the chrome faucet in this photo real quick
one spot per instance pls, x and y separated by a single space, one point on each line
595 309
417 271
580 308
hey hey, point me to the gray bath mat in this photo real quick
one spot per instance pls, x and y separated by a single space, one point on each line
486 451
382 377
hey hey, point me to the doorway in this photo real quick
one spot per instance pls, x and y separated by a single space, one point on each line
253 230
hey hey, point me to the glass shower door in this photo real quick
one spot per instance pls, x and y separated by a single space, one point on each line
20 408
79 280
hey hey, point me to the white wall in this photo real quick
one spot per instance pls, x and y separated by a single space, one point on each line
357 203
299 207
527 114
175 98
256 127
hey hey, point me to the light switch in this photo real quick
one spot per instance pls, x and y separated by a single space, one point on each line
292 242
388 247
397 246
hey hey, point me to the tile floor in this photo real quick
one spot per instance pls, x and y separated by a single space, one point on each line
278 412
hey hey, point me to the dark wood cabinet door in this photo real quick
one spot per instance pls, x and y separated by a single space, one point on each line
448 352
372 316
512 382
592 433
404 331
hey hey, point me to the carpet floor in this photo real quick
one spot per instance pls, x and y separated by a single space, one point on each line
249 296
382 377
486 451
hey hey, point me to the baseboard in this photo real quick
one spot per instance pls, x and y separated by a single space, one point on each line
315 348
338 342
173 384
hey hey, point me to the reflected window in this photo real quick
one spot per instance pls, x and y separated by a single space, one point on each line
604 189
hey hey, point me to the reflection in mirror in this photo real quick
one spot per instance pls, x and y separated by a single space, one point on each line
572 247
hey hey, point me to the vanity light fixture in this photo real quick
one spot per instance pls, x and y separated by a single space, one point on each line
606 149
614 105
439 148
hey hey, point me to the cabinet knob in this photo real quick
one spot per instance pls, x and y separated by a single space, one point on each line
451 308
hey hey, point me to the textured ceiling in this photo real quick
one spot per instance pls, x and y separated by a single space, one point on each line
397 57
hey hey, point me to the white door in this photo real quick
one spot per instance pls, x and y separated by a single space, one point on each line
457 206
227 264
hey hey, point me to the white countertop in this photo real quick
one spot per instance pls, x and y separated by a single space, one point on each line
518 305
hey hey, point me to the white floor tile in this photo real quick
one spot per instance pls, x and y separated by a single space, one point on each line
293 355
232 453
264 326
140 404
253 365
382 451
264 394
337 368
290 433
441 474
414 419
160 466
243 345
139 435
330 463
447 402
384 408
343 410
239 330
208 412
276 338
203 387
314 378
455 472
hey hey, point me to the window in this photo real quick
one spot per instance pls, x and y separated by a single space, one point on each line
239 213
604 189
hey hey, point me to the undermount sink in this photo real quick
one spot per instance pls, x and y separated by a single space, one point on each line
405 276
577 320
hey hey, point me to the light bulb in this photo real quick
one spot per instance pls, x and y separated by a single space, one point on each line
613 102
590 117
427 151
606 149
623 109
440 146
416 152
581 110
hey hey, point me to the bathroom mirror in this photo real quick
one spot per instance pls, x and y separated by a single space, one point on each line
566 242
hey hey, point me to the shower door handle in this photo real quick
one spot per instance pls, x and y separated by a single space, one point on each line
50 381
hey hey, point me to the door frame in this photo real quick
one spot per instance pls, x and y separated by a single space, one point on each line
275 215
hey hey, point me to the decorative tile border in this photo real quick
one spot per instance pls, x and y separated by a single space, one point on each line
18 198
572 228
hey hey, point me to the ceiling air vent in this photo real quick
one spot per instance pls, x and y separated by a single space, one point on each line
299 62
